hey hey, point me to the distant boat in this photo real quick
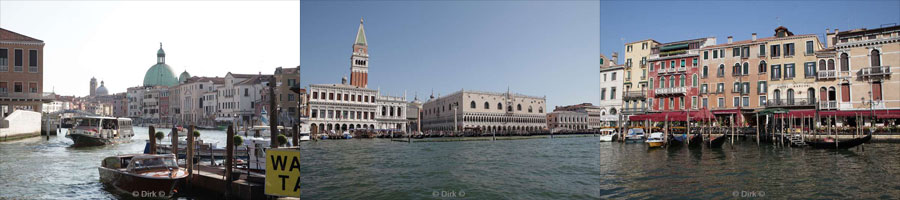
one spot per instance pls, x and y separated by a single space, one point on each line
696 140
97 131
347 135
846 144
142 174
677 140
608 135
304 137
656 140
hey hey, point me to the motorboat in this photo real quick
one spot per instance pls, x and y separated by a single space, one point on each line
97 131
608 135
142 175
656 140
304 137
635 135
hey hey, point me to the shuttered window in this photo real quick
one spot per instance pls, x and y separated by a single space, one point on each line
876 91
845 93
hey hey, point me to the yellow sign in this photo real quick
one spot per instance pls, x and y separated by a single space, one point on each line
283 172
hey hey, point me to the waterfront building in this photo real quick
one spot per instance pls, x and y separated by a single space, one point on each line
734 78
674 75
391 112
413 114
359 59
567 121
21 73
484 111
191 103
636 76
611 92
597 116
792 76
867 61
239 96
287 100
341 107
135 98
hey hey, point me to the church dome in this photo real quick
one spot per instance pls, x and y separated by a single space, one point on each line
101 91
184 77
160 74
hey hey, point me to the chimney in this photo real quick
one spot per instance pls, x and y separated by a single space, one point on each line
827 31
835 31
730 39
615 58
753 37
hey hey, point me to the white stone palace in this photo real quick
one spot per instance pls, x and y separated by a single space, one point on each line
484 111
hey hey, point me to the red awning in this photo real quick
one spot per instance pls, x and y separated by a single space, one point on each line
882 114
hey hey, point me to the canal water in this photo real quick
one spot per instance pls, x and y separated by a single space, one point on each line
631 171
560 168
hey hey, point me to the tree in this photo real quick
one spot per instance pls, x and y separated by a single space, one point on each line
196 134
282 140
159 135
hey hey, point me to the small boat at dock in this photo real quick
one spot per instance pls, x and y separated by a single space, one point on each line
608 135
717 142
635 135
836 144
656 140
142 175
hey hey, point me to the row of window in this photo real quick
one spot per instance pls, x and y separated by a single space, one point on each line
18 60
672 64
341 114
775 51
19 87
827 94
612 93
488 106
343 97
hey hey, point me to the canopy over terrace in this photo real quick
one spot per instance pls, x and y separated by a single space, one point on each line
675 116
880 114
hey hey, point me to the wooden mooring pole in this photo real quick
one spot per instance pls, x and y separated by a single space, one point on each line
229 160
189 152
174 146
152 140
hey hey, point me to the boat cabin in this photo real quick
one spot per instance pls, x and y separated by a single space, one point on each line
137 163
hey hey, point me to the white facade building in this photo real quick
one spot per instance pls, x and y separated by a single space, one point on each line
391 113
611 93
567 120
341 107
484 111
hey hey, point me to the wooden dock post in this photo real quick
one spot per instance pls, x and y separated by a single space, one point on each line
229 160
152 140
189 152
273 117
732 132
174 146
296 136
757 129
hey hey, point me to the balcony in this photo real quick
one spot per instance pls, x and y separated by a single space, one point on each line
827 74
828 105
670 91
874 71
783 103
23 96
672 70
633 95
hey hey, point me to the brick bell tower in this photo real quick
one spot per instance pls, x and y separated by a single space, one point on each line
359 61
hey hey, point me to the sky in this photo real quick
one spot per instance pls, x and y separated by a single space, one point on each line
538 48
116 41
697 19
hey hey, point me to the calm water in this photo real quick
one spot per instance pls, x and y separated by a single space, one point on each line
560 168
631 171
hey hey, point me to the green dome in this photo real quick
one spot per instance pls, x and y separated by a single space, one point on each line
183 77
160 74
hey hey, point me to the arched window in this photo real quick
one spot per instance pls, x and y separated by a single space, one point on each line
529 109
540 109
876 58
746 68
845 62
612 111
519 107
811 95
472 105
682 81
762 66
672 81
499 106
736 70
721 71
705 71
790 96
830 64
777 96
487 105
662 82
822 66
509 108
694 81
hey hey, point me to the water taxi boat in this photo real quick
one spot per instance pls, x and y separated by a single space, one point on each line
656 140
142 175
608 135
635 135
96 131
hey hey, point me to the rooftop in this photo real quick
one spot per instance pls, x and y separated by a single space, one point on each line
7 35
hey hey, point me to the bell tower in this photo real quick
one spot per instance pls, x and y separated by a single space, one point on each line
359 61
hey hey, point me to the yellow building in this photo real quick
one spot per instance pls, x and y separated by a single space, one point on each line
636 75
791 60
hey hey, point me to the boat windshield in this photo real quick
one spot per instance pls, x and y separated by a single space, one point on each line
87 123
155 162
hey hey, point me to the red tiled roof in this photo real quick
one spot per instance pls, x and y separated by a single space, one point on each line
7 35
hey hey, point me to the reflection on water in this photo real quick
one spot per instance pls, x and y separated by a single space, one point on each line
633 171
